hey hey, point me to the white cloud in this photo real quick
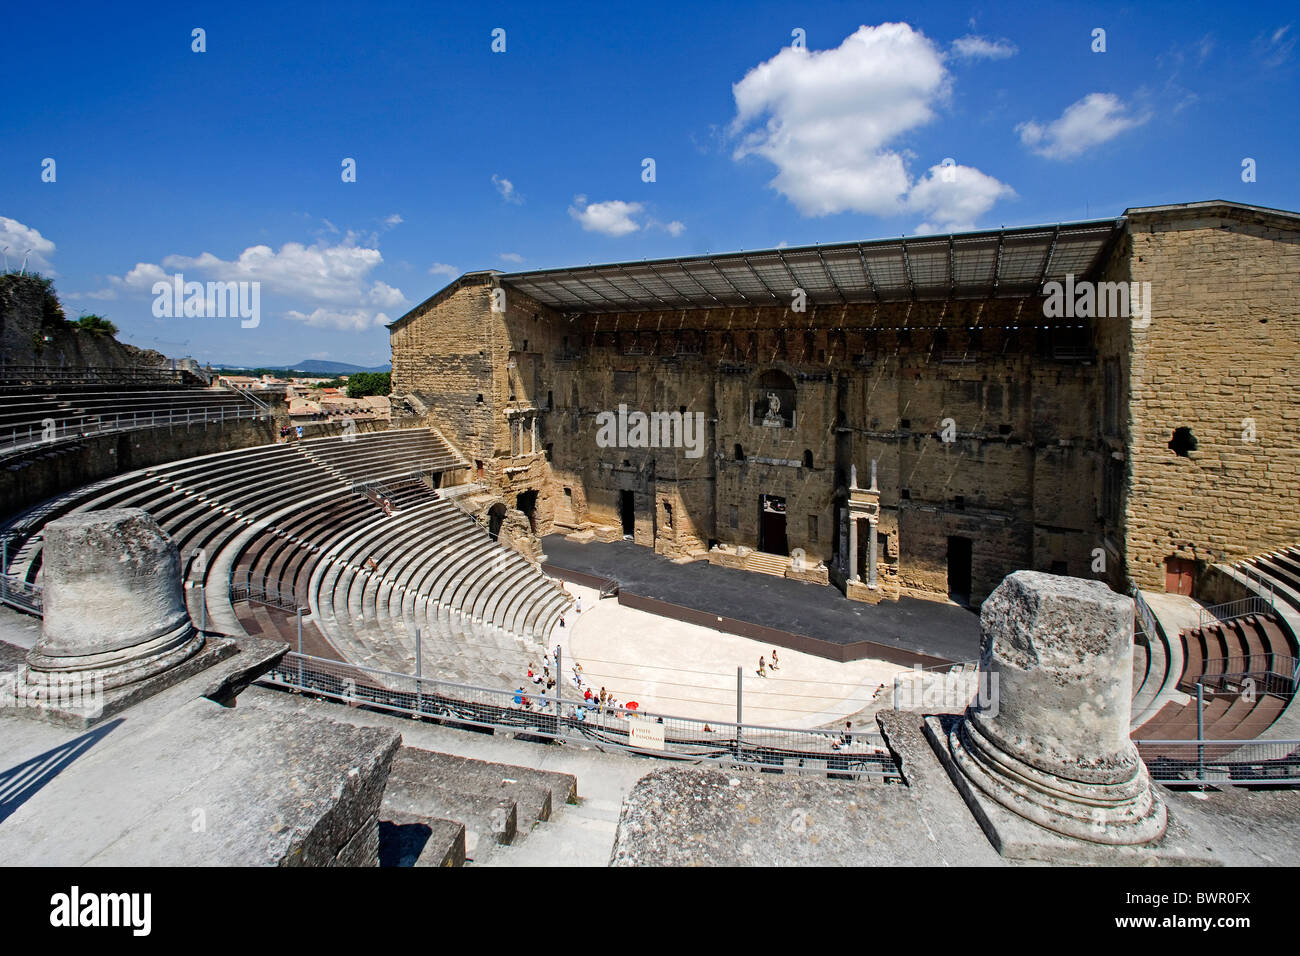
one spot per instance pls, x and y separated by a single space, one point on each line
346 320
331 281
393 220
20 238
829 121
972 47
385 296
507 190
1089 122
675 228
1275 48
953 198
611 218
442 269
512 257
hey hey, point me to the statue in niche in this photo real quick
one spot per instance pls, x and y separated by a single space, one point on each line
773 417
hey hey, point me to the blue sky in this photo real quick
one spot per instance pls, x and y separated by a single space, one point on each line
226 164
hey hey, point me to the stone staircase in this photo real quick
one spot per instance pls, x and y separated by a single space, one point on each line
445 810
766 563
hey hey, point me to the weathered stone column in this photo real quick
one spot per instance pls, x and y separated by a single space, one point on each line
871 552
1052 746
114 605
853 547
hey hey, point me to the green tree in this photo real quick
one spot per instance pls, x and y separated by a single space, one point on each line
96 324
361 384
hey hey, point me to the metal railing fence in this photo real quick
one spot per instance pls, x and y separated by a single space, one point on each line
1221 613
36 434
861 755
262 591
21 595
1267 672
1268 762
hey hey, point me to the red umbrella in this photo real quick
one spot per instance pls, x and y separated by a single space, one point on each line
631 705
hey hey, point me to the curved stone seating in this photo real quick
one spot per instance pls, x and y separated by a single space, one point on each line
1232 712
482 610
292 519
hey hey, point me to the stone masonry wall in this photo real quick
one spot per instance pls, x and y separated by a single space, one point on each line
1218 358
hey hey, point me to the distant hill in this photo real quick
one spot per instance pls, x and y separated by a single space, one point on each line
319 367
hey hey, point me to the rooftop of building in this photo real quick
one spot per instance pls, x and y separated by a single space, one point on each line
1010 262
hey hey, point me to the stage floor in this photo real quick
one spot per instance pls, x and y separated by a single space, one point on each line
926 627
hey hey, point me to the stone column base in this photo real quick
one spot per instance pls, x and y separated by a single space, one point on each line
117 668
1029 816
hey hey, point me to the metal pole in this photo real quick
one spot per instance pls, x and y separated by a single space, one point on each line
419 671
1200 730
203 605
559 686
298 612
740 700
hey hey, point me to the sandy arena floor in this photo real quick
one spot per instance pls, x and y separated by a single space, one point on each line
670 667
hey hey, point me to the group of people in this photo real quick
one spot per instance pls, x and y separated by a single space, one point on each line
593 700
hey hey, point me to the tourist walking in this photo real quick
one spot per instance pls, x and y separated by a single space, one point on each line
762 668
775 666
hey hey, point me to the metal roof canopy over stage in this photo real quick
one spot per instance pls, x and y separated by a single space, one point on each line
1002 263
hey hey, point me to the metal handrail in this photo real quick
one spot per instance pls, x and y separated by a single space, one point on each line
1231 610
248 394
1150 626
86 425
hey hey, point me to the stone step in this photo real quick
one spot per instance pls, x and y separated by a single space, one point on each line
538 793
766 563
581 834
410 840
418 787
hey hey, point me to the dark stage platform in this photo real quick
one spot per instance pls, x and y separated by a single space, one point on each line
926 627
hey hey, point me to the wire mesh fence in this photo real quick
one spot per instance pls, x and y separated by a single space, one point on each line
1263 762
1263 673
849 755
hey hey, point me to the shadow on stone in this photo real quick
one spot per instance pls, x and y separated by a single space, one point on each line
20 782
400 844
